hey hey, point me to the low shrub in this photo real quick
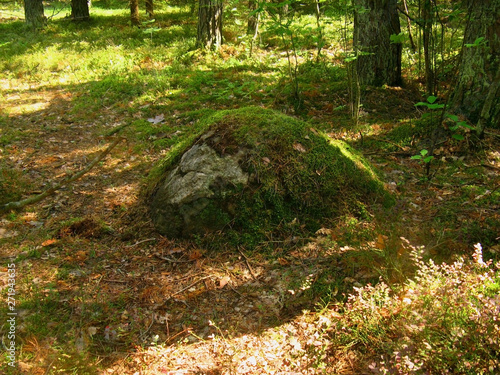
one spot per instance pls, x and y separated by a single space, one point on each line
445 320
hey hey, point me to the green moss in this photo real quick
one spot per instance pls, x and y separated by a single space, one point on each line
214 216
298 175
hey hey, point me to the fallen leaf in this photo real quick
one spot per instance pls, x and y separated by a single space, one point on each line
49 242
5 233
81 256
297 146
80 343
324 231
223 282
380 244
157 120
283 261
92 331
176 250
195 254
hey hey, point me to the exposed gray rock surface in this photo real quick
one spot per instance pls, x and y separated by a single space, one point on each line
202 177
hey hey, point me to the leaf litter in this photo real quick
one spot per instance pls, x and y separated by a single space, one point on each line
141 304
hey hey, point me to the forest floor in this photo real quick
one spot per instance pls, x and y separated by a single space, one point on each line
99 291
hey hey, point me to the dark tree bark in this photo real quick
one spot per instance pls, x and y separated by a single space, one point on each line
80 10
33 13
253 19
134 12
379 60
150 9
209 24
408 23
427 20
477 91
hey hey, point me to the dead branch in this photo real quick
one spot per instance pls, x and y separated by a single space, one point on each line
248 265
490 166
174 260
139 242
189 286
70 178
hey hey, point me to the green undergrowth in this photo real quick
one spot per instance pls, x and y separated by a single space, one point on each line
301 179
444 319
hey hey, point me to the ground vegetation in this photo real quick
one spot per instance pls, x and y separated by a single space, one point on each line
408 288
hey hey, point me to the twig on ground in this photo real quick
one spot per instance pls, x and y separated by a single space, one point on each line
174 260
116 281
248 265
142 336
490 166
177 334
189 286
139 242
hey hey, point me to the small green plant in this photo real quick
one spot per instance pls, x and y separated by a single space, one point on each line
457 123
457 126
426 155
150 30
430 104
423 156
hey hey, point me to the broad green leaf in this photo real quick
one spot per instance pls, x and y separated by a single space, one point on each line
431 99
465 125
424 152
416 157
151 30
458 137
397 38
478 42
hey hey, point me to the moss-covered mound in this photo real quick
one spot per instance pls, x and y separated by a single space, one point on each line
256 174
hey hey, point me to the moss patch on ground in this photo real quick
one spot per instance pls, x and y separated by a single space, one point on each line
299 179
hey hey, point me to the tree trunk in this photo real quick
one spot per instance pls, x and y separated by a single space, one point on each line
33 13
477 90
408 23
253 20
427 20
150 9
379 60
209 24
134 12
80 10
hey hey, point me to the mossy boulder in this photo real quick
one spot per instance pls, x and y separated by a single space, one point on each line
255 173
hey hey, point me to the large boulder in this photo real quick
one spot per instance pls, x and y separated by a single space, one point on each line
256 173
